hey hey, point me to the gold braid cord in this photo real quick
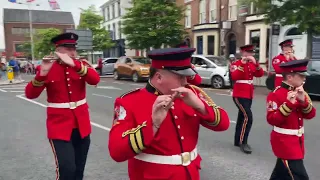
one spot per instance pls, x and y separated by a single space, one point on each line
309 107
285 110
83 71
136 138
37 83
210 102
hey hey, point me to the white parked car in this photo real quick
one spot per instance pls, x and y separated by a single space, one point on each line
108 65
212 69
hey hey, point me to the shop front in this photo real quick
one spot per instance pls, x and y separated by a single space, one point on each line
206 39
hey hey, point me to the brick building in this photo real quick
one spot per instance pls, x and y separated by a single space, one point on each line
215 27
17 29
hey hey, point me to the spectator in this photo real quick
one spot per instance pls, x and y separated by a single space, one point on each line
3 68
99 67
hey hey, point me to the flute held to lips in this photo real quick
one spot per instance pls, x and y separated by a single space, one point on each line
293 96
174 96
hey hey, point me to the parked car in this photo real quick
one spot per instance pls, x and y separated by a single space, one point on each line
212 69
311 86
134 67
108 65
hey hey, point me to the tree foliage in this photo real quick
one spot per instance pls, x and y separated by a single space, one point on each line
42 43
303 13
150 23
91 19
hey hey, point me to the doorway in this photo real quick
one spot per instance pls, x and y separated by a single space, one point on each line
232 44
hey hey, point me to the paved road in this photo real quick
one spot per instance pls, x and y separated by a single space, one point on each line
26 154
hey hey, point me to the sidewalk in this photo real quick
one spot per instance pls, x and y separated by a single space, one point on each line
7 82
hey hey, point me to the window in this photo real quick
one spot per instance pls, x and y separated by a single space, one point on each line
187 22
108 13
210 45
21 31
232 10
109 61
104 14
199 44
119 9
202 11
114 30
119 27
19 47
253 8
113 11
198 61
109 27
255 40
293 32
213 10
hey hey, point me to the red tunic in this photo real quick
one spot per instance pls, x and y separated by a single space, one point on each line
283 114
241 74
276 61
64 84
134 126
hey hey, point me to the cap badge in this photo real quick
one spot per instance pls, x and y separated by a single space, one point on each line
72 36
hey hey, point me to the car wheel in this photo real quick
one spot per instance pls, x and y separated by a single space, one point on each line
116 75
135 77
217 82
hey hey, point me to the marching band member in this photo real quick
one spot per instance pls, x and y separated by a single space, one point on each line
287 106
159 136
68 121
242 73
286 55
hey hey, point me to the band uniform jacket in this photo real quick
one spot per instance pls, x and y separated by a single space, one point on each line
244 72
132 133
65 84
276 61
283 114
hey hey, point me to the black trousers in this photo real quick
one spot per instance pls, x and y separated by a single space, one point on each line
244 120
289 170
70 156
230 79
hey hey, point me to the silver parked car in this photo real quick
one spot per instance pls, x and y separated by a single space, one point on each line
108 65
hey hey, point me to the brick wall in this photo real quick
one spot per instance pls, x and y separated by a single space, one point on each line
12 39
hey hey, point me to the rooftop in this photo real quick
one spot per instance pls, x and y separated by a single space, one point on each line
38 16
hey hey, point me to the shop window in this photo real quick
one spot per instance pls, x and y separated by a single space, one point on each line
199 44
293 32
255 40
202 11
210 45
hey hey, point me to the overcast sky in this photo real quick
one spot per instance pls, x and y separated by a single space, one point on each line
65 5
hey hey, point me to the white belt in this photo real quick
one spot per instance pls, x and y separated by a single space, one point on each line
295 132
183 159
245 81
278 75
70 105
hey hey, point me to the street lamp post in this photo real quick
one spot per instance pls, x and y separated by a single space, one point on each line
30 27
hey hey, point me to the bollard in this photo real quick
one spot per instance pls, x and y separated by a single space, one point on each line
10 74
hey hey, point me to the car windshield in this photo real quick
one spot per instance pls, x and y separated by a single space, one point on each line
219 61
142 60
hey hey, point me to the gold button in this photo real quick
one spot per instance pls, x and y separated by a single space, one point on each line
178 126
68 84
182 138
67 72
70 92
68 79
80 77
52 81
172 107
195 115
175 117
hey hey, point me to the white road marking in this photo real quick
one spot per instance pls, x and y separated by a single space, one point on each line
222 94
14 88
108 87
42 105
3 90
17 91
137 85
102 95
116 82
233 122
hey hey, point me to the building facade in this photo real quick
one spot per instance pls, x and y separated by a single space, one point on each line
17 26
112 12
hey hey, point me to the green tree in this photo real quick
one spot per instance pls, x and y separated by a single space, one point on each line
91 19
150 23
303 13
42 42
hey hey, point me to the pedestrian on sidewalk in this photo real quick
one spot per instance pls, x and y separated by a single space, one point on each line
159 135
68 121
3 69
287 106
242 73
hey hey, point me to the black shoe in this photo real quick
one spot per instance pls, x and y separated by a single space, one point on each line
245 148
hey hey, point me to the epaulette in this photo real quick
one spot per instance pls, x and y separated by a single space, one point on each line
278 87
204 96
130 92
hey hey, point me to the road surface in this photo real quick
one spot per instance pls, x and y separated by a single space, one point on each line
26 153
